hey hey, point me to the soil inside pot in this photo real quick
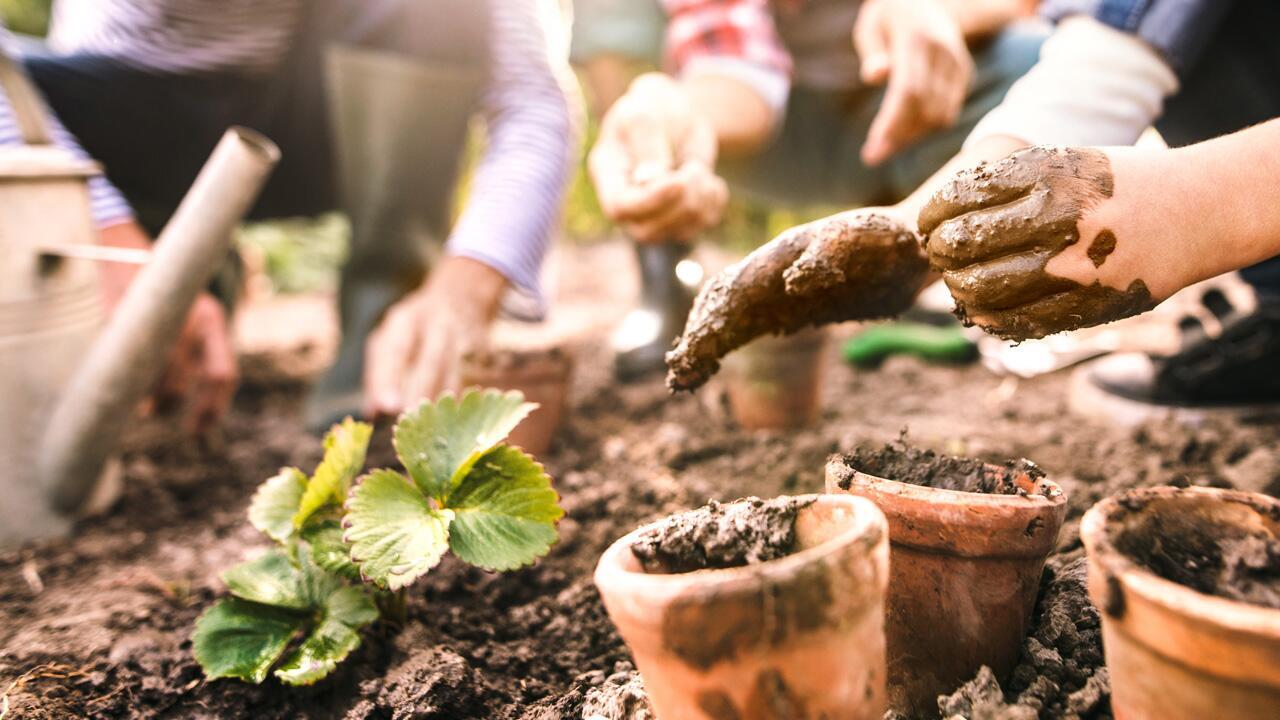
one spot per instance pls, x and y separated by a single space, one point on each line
721 535
1243 568
906 463
550 362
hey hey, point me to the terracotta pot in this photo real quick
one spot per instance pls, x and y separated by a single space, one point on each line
543 377
775 382
1175 653
964 572
796 637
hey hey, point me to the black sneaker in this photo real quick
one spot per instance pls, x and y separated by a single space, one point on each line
1233 372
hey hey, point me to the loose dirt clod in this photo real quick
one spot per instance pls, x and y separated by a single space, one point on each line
905 463
1061 672
719 535
1246 568
858 267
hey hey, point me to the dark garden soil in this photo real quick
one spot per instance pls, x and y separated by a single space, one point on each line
921 466
98 625
721 535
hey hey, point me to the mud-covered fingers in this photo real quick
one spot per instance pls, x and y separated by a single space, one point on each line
982 186
1079 307
842 242
1005 282
1037 220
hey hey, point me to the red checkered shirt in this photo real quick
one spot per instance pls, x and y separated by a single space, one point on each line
738 29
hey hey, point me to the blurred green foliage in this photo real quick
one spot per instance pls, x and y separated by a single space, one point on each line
28 17
297 254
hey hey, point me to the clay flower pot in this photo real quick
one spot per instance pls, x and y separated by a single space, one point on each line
543 377
774 382
1175 653
964 572
801 636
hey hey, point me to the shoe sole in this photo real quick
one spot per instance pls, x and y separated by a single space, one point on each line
1087 400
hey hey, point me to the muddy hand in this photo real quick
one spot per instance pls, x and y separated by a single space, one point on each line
856 265
997 231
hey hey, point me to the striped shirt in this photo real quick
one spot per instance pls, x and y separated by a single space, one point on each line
529 109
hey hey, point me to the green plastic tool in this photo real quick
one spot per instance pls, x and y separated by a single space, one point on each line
870 347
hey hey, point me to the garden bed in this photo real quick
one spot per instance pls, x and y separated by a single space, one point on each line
99 625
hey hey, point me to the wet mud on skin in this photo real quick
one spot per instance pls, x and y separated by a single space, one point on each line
993 230
828 271
720 535
1246 569
97 625
905 463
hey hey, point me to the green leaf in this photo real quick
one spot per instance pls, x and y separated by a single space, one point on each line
241 639
439 442
328 549
271 579
395 533
505 511
344 450
346 611
276 502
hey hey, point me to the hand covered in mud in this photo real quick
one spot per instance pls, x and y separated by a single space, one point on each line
1036 243
416 352
653 164
856 265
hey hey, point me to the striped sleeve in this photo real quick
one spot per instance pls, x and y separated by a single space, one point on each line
516 194
107 205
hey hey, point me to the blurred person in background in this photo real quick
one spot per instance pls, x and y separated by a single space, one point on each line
370 102
794 101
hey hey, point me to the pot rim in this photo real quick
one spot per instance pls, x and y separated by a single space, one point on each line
1035 498
1176 598
934 520
867 524
548 365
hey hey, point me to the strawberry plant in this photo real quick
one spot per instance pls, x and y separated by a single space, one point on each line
348 546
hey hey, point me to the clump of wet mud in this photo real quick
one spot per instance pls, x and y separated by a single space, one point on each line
1243 568
1060 673
906 463
720 535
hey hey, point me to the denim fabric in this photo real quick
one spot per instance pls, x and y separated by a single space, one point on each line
1179 29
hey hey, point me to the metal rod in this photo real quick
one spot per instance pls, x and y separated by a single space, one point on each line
128 356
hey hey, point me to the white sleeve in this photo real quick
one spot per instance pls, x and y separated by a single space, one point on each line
1094 85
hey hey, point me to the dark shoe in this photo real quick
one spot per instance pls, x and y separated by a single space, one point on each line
647 333
1235 371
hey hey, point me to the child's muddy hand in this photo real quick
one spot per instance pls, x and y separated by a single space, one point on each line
1005 236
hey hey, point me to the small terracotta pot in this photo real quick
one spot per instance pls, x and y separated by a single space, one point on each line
1175 653
775 382
543 377
964 572
797 637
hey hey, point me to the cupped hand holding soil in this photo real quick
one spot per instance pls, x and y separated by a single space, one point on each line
856 265
1007 238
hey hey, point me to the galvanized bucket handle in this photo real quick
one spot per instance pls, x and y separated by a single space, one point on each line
24 98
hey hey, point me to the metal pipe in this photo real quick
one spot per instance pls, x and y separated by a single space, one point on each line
127 358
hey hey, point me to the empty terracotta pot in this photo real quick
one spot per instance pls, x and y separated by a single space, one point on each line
1176 653
775 382
543 377
801 636
963 576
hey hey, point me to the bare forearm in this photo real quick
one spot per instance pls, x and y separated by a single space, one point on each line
742 119
1230 182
